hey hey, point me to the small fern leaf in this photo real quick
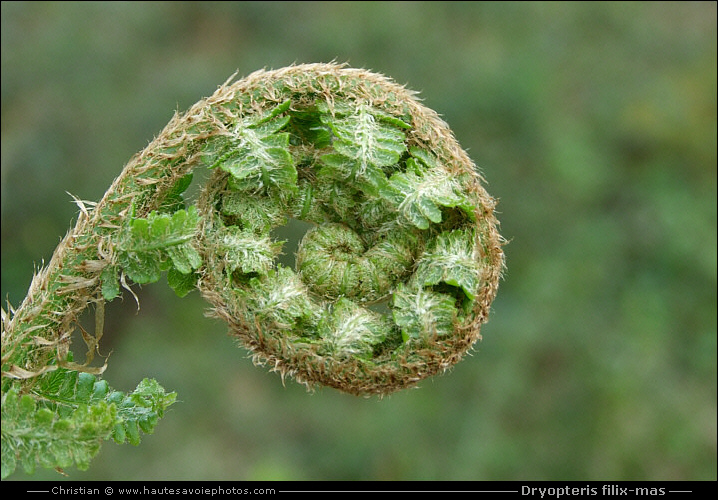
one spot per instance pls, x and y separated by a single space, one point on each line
422 313
452 259
352 330
364 145
141 268
35 434
159 230
256 155
68 414
181 283
246 252
184 258
147 242
257 213
281 298
363 138
140 410
418 194
110 283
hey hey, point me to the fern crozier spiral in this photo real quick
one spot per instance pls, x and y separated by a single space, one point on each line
391 285
394 280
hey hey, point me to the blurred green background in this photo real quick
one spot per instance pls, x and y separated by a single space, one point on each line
595 126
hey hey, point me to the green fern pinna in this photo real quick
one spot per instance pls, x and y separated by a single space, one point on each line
390 285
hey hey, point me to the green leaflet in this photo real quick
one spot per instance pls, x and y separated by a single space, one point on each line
34 435
451 259
366 141
420 192
181 283
68 415
140 267
257 154
110 283
246 252
423 313
257 213
139 410
352 330
344 169
281 298
146 243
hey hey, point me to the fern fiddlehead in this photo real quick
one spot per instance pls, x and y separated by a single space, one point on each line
391 284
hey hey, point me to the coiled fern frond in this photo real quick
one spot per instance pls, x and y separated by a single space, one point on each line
391 283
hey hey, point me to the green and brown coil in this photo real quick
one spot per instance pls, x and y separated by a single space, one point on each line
396 276
390 285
